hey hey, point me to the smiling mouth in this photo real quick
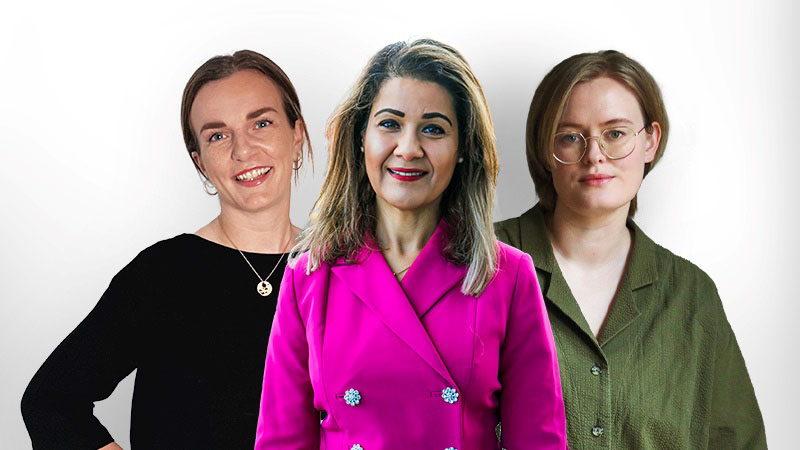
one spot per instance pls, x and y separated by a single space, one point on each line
253 174
407 173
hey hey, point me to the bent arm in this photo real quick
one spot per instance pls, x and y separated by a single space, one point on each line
531 403
58 404
287 418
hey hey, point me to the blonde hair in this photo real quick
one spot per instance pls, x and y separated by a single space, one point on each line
551 98
343 218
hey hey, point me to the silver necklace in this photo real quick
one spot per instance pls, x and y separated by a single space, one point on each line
264 287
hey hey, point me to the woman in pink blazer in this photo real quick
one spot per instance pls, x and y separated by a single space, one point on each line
406 324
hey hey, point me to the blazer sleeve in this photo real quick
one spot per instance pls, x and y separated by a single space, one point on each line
736 421
531 403
86 367
287 418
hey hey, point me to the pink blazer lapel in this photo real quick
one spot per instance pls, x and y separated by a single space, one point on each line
432 275
372 282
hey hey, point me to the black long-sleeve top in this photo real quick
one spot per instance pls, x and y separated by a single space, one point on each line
186 314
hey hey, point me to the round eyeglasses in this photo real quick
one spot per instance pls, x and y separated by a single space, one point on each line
569 147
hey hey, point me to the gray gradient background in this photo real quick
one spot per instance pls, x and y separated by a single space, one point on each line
93 168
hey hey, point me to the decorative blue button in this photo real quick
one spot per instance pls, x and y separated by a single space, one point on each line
450 395
356 447
352 397
451 448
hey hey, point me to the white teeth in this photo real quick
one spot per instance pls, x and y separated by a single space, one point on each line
253 174
407 174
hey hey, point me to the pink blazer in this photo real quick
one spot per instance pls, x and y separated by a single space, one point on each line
357 360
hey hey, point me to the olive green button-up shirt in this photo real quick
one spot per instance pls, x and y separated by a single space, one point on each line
665 372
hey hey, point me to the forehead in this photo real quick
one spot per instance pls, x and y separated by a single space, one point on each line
235 96
600 100
414 97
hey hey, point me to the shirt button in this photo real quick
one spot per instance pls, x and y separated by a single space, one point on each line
451 448
449 395
596 370
356 447
352 397
597 431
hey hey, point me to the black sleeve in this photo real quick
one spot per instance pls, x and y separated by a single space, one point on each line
86 367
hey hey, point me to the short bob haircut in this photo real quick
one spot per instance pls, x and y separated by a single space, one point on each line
553 94
343 219
223 66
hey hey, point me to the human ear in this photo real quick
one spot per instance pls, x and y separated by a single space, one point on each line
297 142
199 162
653 139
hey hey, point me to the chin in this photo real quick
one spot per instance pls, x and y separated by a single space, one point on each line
259 204
403 203
600 204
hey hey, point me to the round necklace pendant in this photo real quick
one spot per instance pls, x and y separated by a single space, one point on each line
264 288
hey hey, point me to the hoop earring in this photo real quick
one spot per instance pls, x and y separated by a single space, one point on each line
296 165
209 187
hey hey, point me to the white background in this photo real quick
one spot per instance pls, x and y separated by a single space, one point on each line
93 167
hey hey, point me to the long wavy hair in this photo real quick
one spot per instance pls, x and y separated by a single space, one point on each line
343 219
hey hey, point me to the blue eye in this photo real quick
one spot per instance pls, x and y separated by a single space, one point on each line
570 138
614 134
263 123
435 130
389 123
215 137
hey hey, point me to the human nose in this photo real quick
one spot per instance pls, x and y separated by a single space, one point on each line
594 152
408 146
242 147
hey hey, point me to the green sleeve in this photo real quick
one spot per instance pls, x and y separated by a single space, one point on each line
736 421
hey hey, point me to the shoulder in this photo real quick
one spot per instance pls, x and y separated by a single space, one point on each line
161 261
184 247
299 273
179 244
512 264
509 231
684 285
508 256
680 271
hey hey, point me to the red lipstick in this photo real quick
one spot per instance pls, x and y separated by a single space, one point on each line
405 174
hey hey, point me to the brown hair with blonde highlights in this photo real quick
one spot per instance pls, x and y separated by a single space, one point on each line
551 98
344 216
223 66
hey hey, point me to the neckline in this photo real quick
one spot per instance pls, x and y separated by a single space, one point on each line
213 244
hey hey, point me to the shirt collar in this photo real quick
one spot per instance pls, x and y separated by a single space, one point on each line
642 268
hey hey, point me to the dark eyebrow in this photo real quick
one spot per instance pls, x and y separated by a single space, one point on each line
251 115
211 125
390 110
432 115
261 111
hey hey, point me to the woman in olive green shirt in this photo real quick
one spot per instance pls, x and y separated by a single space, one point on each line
648 359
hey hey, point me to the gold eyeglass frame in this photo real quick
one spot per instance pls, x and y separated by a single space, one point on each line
600 144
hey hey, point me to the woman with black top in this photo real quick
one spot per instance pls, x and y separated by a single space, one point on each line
192 314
